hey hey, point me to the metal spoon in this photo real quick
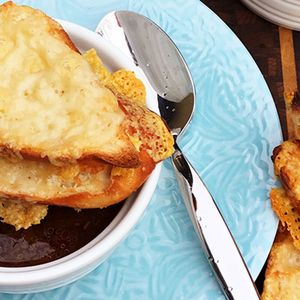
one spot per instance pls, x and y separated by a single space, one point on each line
157 56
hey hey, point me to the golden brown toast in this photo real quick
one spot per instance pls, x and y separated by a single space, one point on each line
88 184
286 159
283 270
52 104
85 183
40 180
288 215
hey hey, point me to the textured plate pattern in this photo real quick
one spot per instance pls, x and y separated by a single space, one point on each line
229 141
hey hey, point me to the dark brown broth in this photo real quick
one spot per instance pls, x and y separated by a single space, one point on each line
62 232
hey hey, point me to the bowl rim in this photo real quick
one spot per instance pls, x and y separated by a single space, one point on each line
279 12
119 228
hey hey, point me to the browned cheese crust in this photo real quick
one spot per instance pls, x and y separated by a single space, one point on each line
287 166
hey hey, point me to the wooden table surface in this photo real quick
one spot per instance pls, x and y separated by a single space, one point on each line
276 51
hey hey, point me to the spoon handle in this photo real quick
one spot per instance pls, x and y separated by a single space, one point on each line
216 239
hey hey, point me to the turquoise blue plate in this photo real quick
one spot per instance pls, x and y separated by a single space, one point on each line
229 141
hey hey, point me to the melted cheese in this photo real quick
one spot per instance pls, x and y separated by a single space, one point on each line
42 180
50 99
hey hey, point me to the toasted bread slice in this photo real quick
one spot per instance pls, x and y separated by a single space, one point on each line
88 184
283 270
124 181
52 104
287 166
288 215
36 180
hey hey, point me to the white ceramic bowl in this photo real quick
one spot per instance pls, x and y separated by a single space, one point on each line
72 267
281 12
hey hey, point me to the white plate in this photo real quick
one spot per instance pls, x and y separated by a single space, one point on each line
285 13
